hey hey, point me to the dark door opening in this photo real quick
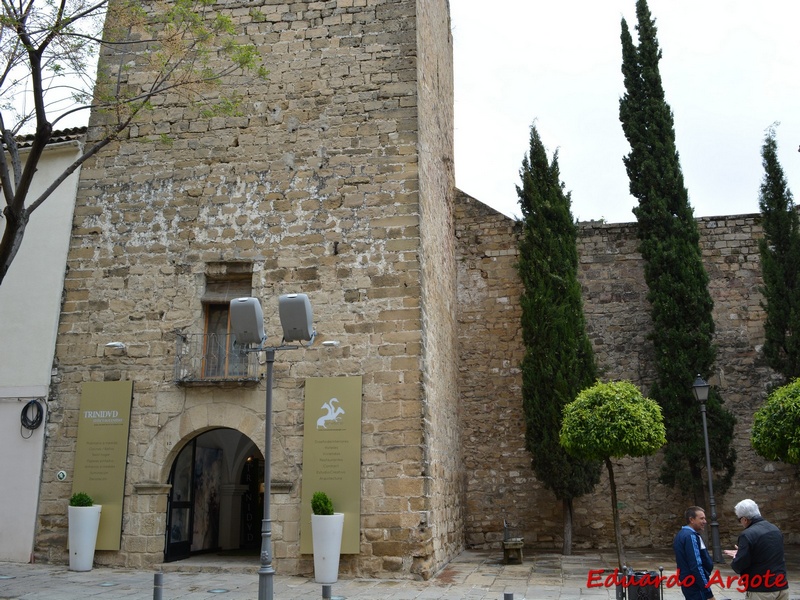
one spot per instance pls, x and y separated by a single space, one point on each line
215 500
179 511
252 504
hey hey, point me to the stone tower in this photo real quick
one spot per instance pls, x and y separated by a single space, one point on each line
336 181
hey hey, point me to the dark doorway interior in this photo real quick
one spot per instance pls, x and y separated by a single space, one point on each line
252 504
215 497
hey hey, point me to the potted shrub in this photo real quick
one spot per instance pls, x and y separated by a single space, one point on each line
326 534
84 521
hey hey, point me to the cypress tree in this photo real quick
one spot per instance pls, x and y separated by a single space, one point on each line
681 305
780 265
558 361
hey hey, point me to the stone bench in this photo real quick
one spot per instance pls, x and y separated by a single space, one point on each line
512 551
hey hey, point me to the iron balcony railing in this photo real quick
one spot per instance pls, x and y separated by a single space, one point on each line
213 358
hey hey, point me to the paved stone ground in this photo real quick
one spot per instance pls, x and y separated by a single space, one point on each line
473 575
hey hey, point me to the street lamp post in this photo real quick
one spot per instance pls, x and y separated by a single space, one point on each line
247 324
700 389
266 572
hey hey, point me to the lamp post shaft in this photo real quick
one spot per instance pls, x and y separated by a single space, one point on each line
247 324
266 572
715 545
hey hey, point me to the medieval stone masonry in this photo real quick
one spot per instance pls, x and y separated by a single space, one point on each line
500 483
337 181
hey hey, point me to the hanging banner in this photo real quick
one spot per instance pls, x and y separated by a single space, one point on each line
332 455
101 455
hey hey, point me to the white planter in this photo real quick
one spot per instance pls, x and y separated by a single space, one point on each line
326 533
84 522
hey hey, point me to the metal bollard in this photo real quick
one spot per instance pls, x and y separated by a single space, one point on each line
621 591
326 592
158 585
508 595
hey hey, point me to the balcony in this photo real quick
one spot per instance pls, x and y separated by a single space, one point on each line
213 360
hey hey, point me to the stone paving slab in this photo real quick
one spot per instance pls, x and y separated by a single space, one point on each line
473 575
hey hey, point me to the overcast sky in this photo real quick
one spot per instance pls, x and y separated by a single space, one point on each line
730 68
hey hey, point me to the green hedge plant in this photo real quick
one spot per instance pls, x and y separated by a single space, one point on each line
321 504
81 499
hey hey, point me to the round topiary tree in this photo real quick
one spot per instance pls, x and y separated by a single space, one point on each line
612 420
776 425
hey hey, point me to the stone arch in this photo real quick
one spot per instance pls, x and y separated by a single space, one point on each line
165 445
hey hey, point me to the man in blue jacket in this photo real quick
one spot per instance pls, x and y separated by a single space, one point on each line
691 556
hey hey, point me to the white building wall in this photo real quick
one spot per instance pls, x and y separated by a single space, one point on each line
30 303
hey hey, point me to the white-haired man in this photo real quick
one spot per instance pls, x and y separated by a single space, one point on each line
759 558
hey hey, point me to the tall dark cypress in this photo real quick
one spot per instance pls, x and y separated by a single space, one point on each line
780 265
681 305
558 361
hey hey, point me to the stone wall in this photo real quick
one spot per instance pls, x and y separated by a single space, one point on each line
319 187
501 484
337 181
444 489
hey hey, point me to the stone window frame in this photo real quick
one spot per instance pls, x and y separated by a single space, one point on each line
224 282
194 363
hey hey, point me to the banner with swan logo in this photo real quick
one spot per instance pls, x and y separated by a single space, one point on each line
332 455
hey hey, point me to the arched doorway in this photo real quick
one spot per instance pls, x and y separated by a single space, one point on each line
214 496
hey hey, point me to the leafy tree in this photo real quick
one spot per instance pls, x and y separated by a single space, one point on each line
558 360
47 75
780 265
612 420
776 425
681 306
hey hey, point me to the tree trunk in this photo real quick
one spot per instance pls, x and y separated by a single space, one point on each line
567 549
12 239
615 511
699 491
